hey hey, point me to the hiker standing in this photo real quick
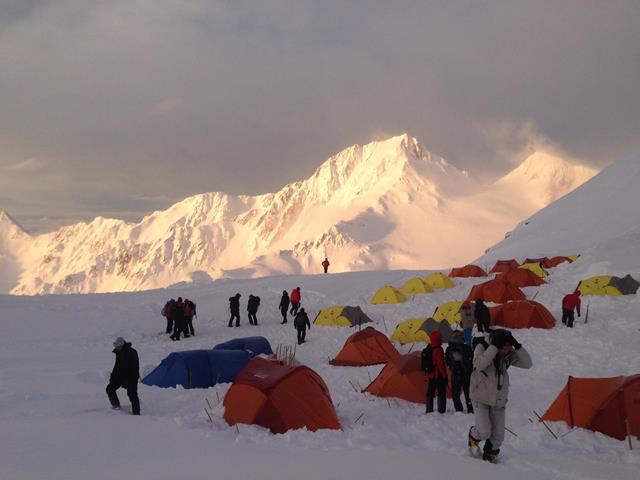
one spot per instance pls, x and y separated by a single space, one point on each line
167 312
467 322
252 309
189 313
284 306
436 372
490 388
179 322
570 303
301 323
459 359
295 298
482 316
125 374
325 264
234 307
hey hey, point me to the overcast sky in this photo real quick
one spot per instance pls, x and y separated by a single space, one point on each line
120 107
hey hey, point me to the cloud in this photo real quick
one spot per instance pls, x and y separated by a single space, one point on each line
28 165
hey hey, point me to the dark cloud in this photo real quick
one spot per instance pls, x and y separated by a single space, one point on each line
104 103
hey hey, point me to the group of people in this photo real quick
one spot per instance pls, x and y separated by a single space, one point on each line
252 309
179 314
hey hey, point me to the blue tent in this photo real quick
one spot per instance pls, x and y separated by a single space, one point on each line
255 345
198 368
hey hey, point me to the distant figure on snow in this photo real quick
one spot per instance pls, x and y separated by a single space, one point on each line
234 307
482 316
125 374
325 264
252 309
459 359
284 306
467 322
295 300
570 303
179 322
168 313
490 389
301 322
436 372
189 313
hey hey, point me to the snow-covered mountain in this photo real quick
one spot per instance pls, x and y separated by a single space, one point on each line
385 205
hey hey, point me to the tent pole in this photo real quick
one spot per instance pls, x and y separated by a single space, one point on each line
546 426
586 315
626 422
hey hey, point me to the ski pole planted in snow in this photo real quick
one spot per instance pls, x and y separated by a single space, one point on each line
586 315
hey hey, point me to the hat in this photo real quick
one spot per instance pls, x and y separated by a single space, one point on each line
118 342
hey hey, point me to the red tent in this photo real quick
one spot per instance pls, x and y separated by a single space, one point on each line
542 260
555 261
606 405
521 277
280 398
503 266
366 347
496 291
468 271
522 314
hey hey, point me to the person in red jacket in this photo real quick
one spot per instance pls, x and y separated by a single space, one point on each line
438 376
570 303
325 264
295 298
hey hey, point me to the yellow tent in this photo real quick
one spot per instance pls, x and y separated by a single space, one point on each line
535 268
439 280
388 294
449 311
331 317
416 285
410 331
598 285
573 257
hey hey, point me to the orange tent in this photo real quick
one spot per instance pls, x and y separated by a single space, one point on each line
542 261
503 266
496 291
606 405
521 277
522 314
555 261
280 398
366 347
468 271
403 378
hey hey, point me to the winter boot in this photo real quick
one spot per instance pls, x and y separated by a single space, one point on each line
489 453
474 443
469 407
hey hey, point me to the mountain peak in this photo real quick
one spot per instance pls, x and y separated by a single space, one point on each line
7 223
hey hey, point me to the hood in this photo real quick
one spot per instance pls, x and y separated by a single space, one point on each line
126 346
435 339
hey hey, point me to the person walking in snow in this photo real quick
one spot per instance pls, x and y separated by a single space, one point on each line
234 307
301 323
125 374
284 306
179 322
482 316
325 264
570 303
167 312
295 298
189 313
467 322
433 365
459 359
252 309
490 389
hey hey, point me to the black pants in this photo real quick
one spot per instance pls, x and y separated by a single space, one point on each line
235 315
283 311
439 384
302 333
461 382
567 317
189 326
294 308
252 318
169 324
132 393
180 326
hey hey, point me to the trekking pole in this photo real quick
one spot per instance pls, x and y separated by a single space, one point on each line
359 417
586 315
546 426
511 432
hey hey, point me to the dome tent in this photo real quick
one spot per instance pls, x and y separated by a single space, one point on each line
496 291
503 266
468 271
536 268
254 345
366 347
416 286
418 330
449 311
389 295
521 277
439 280
403 378
341 316
522 314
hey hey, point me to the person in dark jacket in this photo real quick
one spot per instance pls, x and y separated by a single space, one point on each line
179 323
570 303
301 323
438 378
459 359
125 374
295 298
167 312
482 316
325 265
189 313
252 309
284 306
234 307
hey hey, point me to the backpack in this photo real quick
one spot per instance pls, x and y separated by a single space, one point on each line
427 360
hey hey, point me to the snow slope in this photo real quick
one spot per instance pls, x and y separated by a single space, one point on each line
387 204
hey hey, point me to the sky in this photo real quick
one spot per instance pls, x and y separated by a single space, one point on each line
121 107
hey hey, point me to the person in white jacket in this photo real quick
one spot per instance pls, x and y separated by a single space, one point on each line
489 389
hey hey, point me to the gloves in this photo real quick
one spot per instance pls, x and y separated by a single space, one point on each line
514 342
499 338
578 314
